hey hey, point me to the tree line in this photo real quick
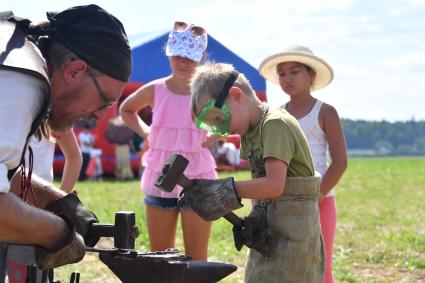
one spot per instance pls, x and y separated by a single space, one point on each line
385 138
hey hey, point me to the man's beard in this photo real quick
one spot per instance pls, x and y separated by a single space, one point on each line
59 119
59 124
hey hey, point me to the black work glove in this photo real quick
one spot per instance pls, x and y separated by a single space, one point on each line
255 233
71 206
72 250
211 199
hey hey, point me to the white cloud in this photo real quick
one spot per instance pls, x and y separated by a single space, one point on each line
415 3
364 48
406 60
269 8
377 94
398 12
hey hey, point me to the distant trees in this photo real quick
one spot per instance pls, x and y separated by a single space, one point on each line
385 138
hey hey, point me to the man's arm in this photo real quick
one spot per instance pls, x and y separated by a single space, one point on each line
42 192
45 196
21 223
55 238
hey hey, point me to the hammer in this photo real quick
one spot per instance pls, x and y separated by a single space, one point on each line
124 230
172 175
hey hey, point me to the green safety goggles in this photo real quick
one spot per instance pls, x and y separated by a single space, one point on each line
215 116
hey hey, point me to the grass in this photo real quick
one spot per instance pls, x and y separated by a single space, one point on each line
380 231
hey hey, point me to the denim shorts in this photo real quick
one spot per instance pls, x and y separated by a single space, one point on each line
164 203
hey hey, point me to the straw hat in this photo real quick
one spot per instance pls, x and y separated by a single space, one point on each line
301 54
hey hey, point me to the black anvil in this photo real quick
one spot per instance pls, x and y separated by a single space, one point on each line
131 266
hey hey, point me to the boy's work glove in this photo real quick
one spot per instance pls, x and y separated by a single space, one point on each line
72 250
255 233
211 199
83 218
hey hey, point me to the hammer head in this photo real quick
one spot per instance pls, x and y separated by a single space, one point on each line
126 231
172 172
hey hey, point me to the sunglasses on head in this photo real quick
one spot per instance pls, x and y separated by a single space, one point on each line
183 26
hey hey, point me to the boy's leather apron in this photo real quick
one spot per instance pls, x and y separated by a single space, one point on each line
298 253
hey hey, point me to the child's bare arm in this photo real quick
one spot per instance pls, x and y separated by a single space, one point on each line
337 149
210 139
270 186
130 107
73 160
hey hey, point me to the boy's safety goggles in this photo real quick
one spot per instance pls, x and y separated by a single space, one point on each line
215 116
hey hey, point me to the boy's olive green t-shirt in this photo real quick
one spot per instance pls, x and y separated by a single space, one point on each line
277 135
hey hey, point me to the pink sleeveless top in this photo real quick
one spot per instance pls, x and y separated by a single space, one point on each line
173 131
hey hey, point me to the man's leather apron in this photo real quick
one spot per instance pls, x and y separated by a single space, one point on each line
298 253
18 54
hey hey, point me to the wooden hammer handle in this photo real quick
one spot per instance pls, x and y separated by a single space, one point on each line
234 219
184 181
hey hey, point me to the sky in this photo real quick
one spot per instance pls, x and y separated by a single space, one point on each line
376 47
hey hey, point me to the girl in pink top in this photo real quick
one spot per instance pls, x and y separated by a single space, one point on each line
298 72
172 131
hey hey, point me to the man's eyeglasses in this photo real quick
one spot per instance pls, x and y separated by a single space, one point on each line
106 102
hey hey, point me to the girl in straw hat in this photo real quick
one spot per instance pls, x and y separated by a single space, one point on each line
298 72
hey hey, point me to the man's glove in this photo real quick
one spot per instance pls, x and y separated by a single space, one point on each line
255 233
71 206
72 250
211 199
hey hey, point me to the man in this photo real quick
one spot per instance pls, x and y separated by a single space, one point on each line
88 63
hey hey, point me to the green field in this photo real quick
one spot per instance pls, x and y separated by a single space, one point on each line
380 231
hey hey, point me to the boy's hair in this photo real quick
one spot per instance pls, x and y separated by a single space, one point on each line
208 80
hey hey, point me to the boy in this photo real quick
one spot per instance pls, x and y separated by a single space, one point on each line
223 102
